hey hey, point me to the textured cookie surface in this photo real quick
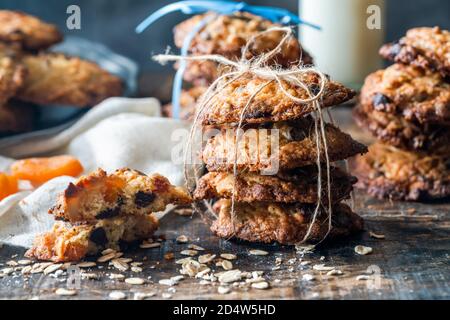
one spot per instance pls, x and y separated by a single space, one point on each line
27 31
72 243
287 187
398 132
99 196
387 172
411 92
428 48
295 143
12 72
285 224
270 104
54 78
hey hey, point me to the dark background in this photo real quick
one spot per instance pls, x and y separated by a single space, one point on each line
112 22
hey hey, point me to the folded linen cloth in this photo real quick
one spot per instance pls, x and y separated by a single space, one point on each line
119 132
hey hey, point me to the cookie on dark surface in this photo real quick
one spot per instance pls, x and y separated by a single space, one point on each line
285 224
427 48
99 196
29 32
411 92
54 78
16 117
298 185
398 132
387 172
188 102
72 243
296 143
12 72
227 35
270 104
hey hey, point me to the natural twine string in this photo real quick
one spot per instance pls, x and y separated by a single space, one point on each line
259 67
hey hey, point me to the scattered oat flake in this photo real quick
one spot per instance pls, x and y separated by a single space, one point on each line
117 295
322 267
227 265
150 245
223 290
206 258
376 235
166 295
308 277
258 252
362 277
182 239
90 276
167 282
362 250
65 292
196 247
183 260
116 276
230 276
12 263
24 262
52 268
189 252
143 295
108 251
305 263
120 265
107 257
135 281
136 269
86 264
260 285
334 272
228 256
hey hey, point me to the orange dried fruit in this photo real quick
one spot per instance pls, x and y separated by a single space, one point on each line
40 170
8 185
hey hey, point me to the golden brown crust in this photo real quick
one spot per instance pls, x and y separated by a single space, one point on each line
72 243
398 132
28 31
427 48
12 72
387 172
188 101
297 147
287 187
100 196
416 94
54 78
270 104
16 117
285 224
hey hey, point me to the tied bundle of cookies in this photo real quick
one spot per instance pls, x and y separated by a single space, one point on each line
105 211
226 35
31 75
268 164
407 108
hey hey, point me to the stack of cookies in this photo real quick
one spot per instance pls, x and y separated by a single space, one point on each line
227 35
105 211
407 108
30 75
277 207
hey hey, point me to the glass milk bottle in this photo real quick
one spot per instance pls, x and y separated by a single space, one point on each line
352 32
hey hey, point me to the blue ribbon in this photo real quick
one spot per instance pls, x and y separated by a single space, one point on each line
274 14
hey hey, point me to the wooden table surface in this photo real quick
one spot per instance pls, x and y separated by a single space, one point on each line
412 262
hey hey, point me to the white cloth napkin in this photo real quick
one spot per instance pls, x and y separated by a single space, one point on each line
119 132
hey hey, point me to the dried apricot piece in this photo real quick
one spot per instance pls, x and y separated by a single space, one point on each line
40 170
8 185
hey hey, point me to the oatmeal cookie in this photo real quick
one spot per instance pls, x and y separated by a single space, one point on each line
411 92
387 172
72 243
100 196
28 31
16 117
188 101
296 143
298 185
285 224
398 132
270 104
55 78
12 72
428 48
227 35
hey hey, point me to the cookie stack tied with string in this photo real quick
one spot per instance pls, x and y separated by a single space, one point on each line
407 108
226 35
270 171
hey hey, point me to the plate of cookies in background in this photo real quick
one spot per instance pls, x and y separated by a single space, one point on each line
46 81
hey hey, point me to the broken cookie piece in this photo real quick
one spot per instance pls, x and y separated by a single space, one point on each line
72 243
100 196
